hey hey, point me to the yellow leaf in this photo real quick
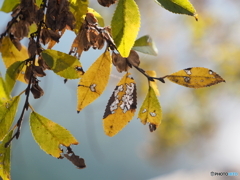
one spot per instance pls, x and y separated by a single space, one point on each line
50 135
150 111
153 84
10 55
121 106
196 77
5 158
4 93
8 111
94 81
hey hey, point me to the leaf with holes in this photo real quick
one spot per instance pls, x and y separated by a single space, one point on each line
196 77
145 45
179 7
5 157
8 111
121 106
125 26
94 81
63 64
150 111
50 135
14 72
79 8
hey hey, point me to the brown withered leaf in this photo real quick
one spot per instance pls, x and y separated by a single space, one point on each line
76 160
119 62
106 3
133 58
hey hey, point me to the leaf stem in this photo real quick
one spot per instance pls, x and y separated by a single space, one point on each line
150 78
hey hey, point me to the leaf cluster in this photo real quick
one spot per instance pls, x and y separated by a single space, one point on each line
27 64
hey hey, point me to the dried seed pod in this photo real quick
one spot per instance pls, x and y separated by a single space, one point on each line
91 19
133 58
100 41
43 64
28 73
32 48
40 15
54 35
106 3
45 36
119 62
38 71
36 91
16 43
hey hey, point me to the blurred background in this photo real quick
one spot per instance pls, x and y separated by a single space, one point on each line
199 132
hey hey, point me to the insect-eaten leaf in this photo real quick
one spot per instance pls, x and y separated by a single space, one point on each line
121 106
125 26
150 111
14 72
94 81
196 77
5 157
8 111
179 7
145 45
63 64
50 135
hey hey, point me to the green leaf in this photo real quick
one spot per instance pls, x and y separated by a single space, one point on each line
8 111
13 73
145 45
50 135
98 16
179 7
9 5
5 157
63 64
125 26
79 8
38 2
150 111
4 93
